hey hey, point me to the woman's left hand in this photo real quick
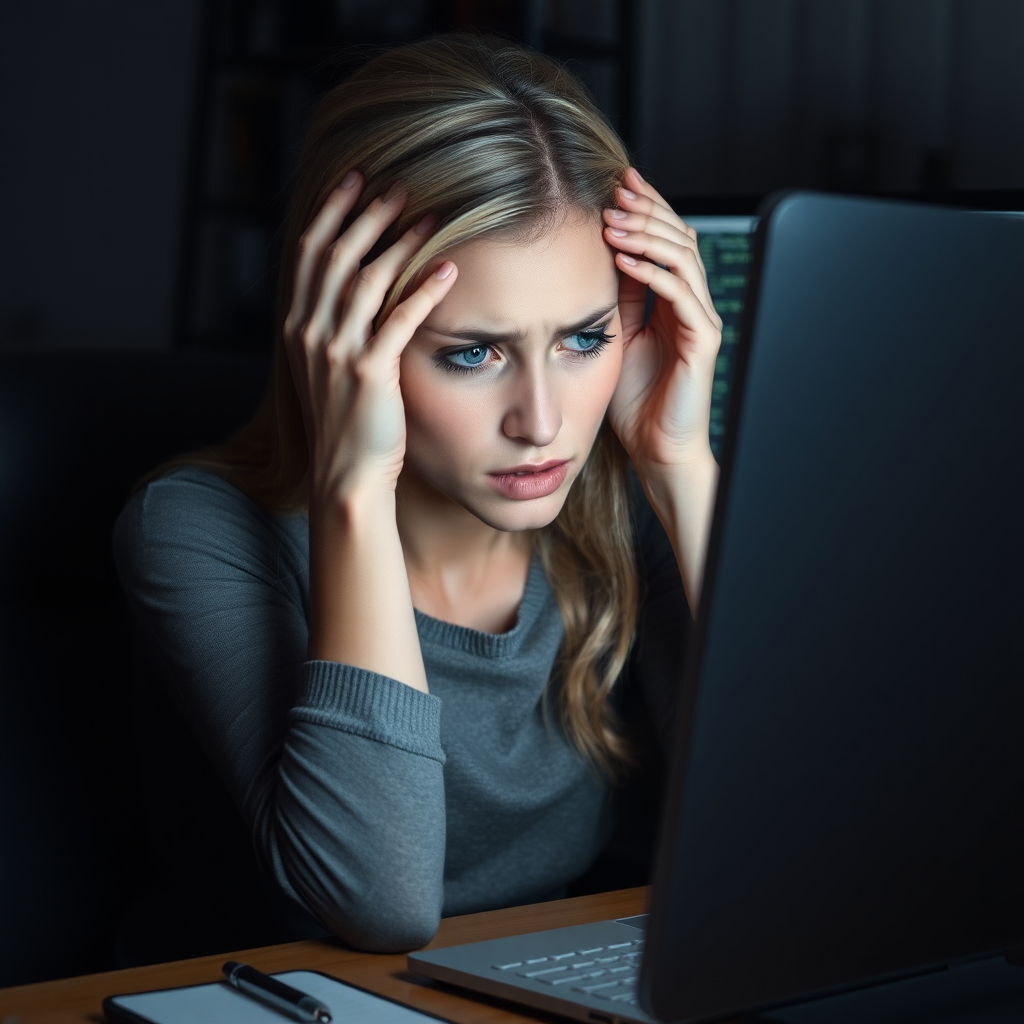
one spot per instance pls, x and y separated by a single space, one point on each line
662 405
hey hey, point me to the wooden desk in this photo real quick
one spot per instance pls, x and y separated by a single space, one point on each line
72 1000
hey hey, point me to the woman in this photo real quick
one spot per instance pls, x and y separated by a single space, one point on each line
394 609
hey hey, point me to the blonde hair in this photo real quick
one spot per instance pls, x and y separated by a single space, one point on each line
489 137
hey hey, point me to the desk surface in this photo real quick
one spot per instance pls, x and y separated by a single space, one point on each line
78 999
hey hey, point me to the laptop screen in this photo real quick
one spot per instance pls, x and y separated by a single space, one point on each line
845 801
725 242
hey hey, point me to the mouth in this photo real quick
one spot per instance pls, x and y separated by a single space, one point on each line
528 481
528 469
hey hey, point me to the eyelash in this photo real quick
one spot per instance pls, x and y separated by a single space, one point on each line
598 336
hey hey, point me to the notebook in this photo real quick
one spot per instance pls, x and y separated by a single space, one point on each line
218 1001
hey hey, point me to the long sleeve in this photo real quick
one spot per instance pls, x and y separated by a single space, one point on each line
337 772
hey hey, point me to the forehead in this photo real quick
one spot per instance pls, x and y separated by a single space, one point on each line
546 279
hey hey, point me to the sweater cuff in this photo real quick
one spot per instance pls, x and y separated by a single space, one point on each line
364 703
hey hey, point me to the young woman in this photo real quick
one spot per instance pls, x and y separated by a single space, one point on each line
398 609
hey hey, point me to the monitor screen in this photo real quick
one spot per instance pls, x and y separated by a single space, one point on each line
724 243
848 730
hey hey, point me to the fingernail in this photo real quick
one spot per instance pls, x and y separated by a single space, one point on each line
627 194
618 233
640 177
619 214
426 225
627 259
393 192
350 179
444 270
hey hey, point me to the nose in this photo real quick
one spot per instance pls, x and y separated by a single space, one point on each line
534 412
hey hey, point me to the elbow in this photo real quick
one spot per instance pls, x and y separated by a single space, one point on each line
386 928
374 877
393 911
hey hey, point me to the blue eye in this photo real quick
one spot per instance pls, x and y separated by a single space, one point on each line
468 360
592 342
463 360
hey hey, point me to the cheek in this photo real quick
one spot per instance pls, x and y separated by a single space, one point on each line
605 375
610 372
595 389
442 422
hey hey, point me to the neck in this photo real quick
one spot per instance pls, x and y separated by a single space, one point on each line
440 538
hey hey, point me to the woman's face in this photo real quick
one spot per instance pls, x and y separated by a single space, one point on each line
507 380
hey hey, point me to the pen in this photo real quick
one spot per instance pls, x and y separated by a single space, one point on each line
275 993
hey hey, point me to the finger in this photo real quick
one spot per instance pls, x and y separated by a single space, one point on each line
621 221
655 207
312 244
681 260
646 200
394 334
642 187
341 260
624 221
370 286
686 305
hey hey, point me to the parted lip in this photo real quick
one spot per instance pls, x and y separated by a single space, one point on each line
528 467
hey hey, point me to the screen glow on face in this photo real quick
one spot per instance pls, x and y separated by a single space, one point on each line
581 344
516 366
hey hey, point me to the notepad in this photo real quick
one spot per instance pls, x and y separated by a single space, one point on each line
218 1001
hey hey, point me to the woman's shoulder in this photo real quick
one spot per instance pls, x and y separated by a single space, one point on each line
200 497
187 499
193 514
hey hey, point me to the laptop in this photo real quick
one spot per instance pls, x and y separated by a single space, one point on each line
842 816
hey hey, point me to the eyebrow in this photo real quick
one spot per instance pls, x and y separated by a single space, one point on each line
497 337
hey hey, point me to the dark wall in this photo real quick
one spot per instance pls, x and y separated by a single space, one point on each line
97 115
752 95
94 112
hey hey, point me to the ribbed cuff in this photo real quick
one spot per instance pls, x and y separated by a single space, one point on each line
364 703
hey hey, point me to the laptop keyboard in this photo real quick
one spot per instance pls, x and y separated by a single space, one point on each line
606 972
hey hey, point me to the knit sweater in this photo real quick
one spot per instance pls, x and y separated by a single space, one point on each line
376 807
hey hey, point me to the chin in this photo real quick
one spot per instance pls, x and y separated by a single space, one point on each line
511 516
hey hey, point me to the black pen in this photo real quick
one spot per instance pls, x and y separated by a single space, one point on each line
275 993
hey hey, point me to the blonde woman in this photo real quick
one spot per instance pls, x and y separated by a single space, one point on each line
397 608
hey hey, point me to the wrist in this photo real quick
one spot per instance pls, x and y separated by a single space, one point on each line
674 489
360 605
353 502
683 498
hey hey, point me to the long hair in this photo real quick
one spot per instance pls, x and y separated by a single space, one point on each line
489 137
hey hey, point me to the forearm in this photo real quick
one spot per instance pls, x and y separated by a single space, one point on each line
360 604
684 502
352 823
337 771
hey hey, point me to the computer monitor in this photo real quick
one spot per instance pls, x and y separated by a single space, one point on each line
845 802
848 772
725 232
724 242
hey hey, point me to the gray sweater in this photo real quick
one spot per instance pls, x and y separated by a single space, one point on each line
374 806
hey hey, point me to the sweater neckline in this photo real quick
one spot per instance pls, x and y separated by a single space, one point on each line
536 597
538 603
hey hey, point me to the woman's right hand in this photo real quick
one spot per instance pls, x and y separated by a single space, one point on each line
346 372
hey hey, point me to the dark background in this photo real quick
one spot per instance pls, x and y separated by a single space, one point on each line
146 153
147 147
